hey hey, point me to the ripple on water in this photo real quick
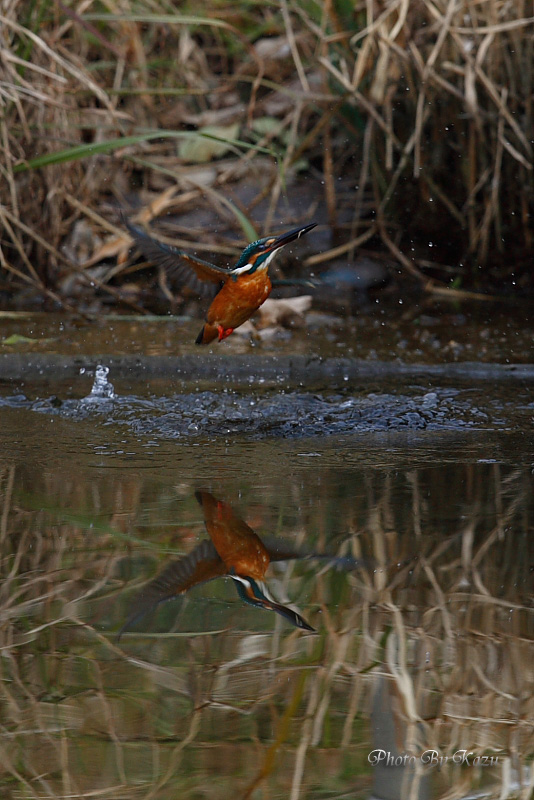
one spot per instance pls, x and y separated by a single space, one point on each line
286 414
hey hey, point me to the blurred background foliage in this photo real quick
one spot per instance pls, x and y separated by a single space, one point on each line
404 127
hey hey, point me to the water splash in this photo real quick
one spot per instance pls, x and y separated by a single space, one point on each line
102 389
288 414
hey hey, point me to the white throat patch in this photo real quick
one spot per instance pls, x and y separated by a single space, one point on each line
261 268
244 268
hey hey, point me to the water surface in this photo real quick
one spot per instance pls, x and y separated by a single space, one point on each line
424 647
386 470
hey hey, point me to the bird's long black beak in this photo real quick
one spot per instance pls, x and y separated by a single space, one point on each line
255 594
290 615
286 238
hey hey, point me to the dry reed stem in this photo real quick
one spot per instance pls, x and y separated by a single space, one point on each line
78 73
276 190
384 31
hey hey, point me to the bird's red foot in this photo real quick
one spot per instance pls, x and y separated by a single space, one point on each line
224 332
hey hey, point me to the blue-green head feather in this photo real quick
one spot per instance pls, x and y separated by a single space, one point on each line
261 252
254 253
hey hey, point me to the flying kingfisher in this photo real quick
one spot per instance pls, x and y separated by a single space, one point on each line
233 551
236 292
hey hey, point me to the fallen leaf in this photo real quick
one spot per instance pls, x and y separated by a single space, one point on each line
270 126
17 338
201 147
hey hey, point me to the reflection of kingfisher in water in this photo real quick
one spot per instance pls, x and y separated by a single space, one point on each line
244 556
233 551
236 293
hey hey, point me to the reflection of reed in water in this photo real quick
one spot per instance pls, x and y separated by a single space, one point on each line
455 636
439 632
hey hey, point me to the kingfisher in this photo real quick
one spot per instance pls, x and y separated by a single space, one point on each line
233 551
236 292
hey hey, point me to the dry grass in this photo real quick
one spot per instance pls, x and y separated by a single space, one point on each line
425 107
445 94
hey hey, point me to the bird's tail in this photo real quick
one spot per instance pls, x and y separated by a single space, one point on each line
207 334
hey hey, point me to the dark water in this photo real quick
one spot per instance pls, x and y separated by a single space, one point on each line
423 611
393 501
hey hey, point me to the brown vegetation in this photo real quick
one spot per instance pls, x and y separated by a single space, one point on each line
424 109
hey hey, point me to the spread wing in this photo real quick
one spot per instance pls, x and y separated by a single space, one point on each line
201 565
198 275
281 550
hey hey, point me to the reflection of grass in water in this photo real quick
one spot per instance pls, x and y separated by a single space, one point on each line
148 712
81 521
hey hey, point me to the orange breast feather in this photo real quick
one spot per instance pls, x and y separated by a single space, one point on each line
239 299
237 544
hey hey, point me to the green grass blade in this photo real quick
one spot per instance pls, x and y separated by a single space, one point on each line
86 150
158 19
